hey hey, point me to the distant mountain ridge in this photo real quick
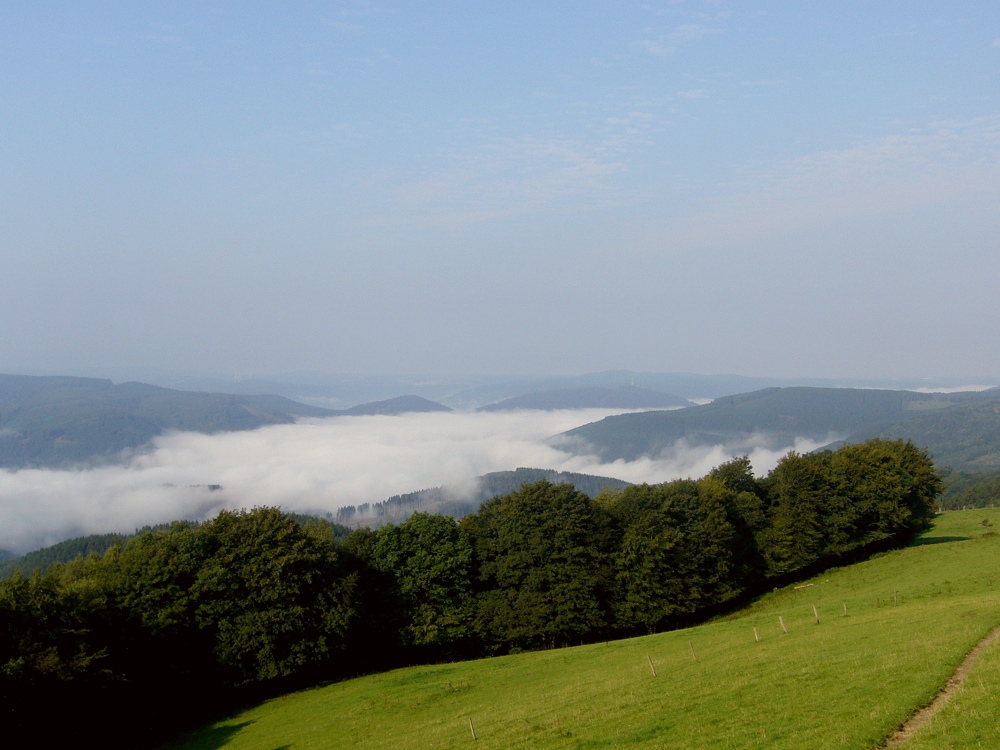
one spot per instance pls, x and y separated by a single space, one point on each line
621 397
393 406
776 416
468 392
57 421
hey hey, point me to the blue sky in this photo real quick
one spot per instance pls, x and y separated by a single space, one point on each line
769 188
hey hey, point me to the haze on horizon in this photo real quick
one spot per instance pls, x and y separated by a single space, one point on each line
782 188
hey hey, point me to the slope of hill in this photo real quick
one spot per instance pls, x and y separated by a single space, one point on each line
461 501
964 436
839 661
59 421
622 397
63 552
773 416
52 421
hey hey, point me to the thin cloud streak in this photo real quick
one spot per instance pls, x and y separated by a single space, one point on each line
315 466
942 164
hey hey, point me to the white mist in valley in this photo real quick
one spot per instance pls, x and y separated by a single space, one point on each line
316 466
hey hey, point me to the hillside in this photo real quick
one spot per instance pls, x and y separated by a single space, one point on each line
61 421
622 397
774 417
461 501
963 437
891 633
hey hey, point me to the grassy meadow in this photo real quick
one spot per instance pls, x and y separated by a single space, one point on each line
845 682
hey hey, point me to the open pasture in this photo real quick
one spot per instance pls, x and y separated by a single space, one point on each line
737 682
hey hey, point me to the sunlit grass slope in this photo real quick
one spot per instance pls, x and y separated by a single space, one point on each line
846 682
971 719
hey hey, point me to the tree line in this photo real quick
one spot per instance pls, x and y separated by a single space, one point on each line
180 623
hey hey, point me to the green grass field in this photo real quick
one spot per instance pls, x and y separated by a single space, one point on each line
846 682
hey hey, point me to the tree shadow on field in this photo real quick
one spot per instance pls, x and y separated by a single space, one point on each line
218 737
919 541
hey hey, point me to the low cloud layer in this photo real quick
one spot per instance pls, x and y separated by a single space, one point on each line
315 466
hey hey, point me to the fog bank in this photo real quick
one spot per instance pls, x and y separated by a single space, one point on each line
314 466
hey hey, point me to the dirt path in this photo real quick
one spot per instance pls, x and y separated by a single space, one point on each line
921 717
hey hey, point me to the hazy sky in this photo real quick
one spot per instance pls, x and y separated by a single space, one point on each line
766 188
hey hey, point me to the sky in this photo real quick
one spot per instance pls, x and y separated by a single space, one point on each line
793 188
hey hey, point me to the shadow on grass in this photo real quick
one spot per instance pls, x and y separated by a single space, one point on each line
919 542
218 737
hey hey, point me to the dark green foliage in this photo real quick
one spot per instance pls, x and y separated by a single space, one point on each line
269 593
797 490
181 620
429 559
44 631
61 552
677 553
747 505
828 504
543 556
69 550
168 625
55 637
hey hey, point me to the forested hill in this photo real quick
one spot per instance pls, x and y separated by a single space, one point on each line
776 416
393 406
461 501
963 437
59 421
56 421
622 397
